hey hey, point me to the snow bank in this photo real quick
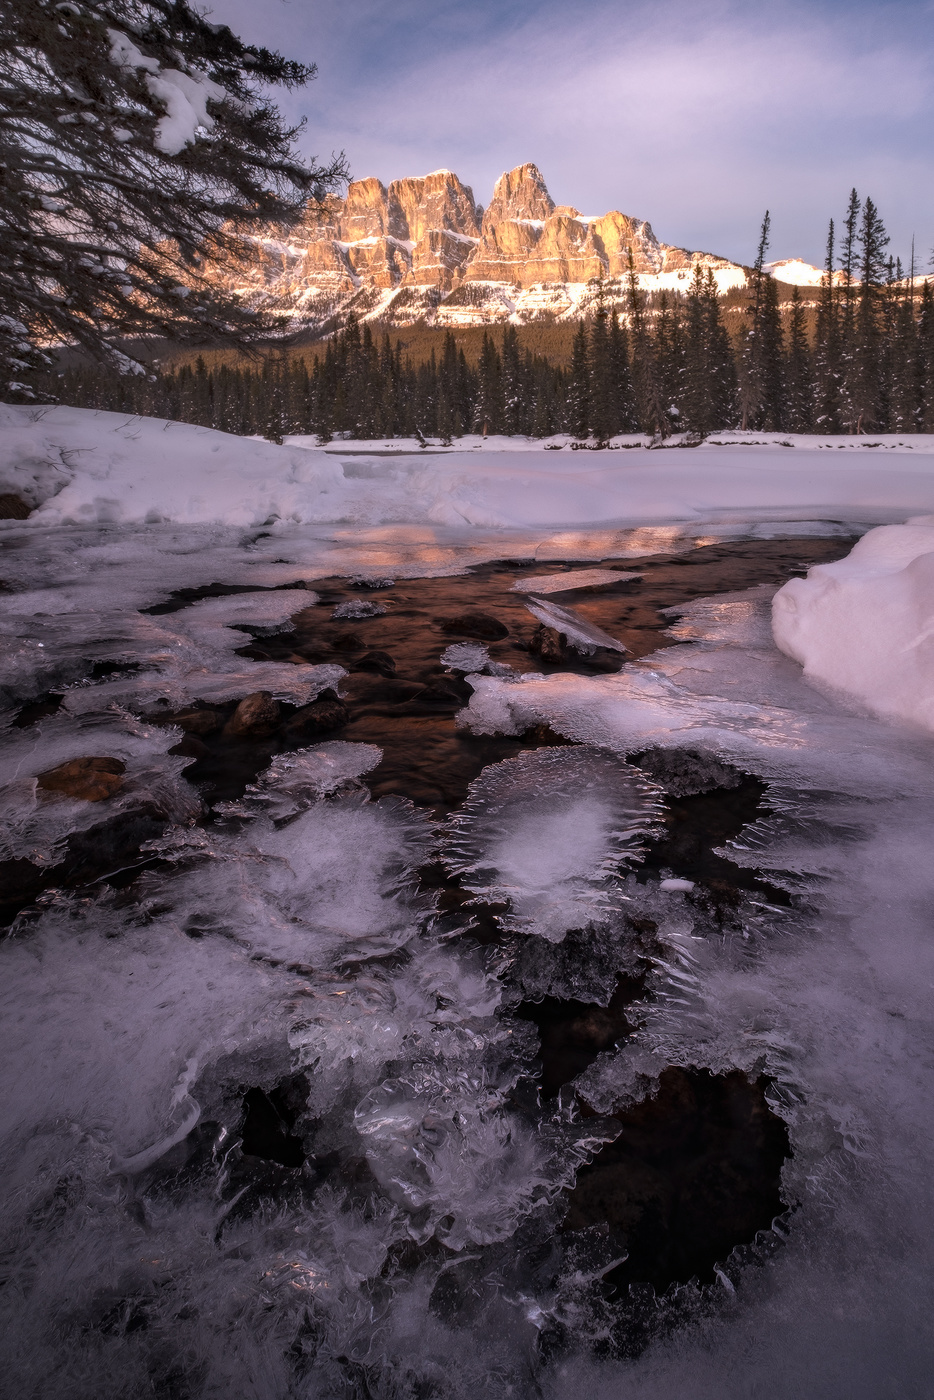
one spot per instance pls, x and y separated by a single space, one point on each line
77 466
864 626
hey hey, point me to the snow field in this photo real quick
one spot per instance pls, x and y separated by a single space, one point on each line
863 627
81 467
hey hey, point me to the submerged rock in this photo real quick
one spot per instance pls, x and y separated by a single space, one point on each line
475 624
324 714
87 779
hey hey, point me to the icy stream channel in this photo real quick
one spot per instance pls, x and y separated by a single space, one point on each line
273 1123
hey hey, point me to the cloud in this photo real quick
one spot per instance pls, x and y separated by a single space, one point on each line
697 117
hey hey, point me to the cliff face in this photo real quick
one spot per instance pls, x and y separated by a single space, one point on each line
422 247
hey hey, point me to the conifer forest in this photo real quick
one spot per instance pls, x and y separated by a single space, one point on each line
858 359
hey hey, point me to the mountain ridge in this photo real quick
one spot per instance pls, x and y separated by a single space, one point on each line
422 249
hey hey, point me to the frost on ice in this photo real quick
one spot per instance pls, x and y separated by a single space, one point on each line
547 834
333 884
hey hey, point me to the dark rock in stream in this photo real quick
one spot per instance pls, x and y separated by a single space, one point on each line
379 662
199 722
257 714
322 716
13 507
685 773
548 643
475 624
86 779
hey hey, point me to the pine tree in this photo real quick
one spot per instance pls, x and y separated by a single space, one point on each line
620 379
651 410
603 410
863 381
799 371
135 137
489 412
578 396
723 383
926 359
827 363
513 381
761 368
904 387
669 358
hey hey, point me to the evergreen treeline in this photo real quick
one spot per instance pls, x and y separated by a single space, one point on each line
669 365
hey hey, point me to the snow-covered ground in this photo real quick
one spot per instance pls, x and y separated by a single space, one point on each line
288 931
81 467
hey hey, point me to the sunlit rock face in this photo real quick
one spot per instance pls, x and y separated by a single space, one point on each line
422 248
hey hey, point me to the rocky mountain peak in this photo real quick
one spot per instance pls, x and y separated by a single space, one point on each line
439 201
365 213
422 248
519 194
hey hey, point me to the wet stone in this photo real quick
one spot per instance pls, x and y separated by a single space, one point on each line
191 747
257 714
198 721
323 715
684 773
380 662
475 624
549 644
87 779
574 1033
348 641
13 507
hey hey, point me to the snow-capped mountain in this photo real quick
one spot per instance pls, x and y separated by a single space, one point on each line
798 273
422 248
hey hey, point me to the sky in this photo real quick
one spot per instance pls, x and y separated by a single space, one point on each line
697 115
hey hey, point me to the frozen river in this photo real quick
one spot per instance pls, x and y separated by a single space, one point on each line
477 1010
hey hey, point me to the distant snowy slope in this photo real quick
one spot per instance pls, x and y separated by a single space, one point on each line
863 627
796 272
77 466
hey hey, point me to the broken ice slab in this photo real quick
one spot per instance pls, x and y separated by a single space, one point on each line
582 635
568 582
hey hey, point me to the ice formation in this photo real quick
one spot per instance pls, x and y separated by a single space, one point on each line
582 635
36 824
466 656
863 627
358 607
547 834
285 942
330 885
294 781
573 579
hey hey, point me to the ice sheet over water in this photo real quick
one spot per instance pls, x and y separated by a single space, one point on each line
35 824
332 884
467 1169
289 936
547 833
